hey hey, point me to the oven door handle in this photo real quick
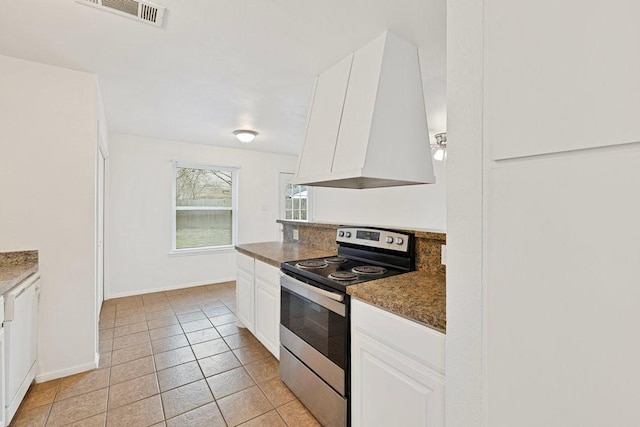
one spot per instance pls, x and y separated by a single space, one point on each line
291 285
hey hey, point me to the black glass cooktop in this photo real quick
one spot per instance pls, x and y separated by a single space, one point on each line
337 272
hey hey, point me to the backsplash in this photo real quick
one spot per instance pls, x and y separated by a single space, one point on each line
323 236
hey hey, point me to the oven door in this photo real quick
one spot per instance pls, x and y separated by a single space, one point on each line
314 327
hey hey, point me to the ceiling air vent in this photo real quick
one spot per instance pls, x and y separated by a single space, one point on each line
140 10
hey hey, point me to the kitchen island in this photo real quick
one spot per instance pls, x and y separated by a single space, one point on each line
15 267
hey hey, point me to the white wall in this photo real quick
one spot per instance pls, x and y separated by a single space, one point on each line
140 212
418 206
557 290
47 185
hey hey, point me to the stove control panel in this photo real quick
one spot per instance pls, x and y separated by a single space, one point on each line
374 238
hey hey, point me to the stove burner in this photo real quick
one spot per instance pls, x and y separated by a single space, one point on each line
343 275
312 264
369 270
336 260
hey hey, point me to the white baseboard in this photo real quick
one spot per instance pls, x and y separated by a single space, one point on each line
48 376
168 288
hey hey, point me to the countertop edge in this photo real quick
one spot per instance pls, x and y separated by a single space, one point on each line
8 285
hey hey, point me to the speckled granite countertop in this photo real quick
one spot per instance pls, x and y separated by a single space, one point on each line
275 253
418 296
15 267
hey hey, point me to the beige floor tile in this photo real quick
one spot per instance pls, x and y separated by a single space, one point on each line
129 340
128 354
211 304
83 383
154 299
202 335
174 357
129 391
169 343
105 345
32 417
130 370
217 311
123 321
179 375
276 391
208 415
210 348
160 322
223 320
105 360
229 329
264 369
219 363
95 421
133 328
162 311
243 406
77 408
295 414
128 302
240 340
185 398
190 317
137 311
251 353
165 331
230 382
196 325
187 305
40 394
107 324
270 419
106 334
141 413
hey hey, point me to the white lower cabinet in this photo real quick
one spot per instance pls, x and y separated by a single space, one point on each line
397 370
258 300
245 292
268 307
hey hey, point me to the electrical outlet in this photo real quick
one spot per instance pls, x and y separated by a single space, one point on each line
296 234
443 254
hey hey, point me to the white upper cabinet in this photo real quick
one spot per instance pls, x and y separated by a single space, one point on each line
367 126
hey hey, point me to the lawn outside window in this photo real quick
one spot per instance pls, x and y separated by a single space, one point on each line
204 208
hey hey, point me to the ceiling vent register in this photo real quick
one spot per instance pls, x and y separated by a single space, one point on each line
140 10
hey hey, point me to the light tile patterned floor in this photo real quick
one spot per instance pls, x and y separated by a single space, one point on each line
170 359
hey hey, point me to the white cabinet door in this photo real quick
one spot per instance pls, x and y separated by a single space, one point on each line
324 120
391 383
268 307
245 292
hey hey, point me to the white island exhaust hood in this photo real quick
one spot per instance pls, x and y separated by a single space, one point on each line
367 126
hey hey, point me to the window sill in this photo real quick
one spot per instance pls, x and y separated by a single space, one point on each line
202 251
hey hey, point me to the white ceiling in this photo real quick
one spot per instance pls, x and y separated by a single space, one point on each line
216 66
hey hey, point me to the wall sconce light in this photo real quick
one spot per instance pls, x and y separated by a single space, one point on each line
440 146
245 135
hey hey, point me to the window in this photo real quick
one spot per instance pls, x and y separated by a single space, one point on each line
204 207
295 202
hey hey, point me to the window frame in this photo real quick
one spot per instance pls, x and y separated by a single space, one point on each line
233 208
282 187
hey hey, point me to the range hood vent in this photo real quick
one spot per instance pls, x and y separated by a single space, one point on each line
140 10
367 126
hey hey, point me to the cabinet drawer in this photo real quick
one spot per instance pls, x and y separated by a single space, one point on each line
245 263
268 273
412 338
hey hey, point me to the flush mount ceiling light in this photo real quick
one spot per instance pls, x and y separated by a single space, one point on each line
245 135
440 146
